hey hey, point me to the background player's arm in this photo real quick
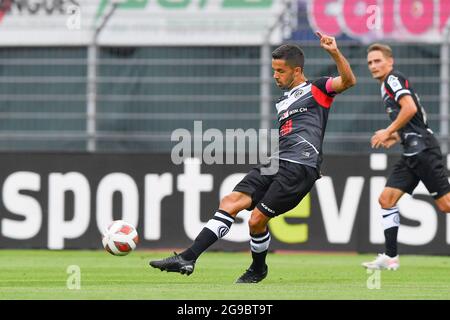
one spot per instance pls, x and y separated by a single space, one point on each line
346 77
407 111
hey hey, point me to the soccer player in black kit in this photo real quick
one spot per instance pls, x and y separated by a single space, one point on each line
302 114
421 159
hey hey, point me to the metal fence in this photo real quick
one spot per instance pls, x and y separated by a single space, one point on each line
42 98
142 94
145 93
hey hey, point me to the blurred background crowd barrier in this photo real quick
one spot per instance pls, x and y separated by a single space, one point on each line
120 76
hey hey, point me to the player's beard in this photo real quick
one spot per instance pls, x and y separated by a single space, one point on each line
291 83
288 84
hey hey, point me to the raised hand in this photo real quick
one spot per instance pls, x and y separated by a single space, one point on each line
327 42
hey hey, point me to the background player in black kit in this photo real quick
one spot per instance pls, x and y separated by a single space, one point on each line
421 159
302 115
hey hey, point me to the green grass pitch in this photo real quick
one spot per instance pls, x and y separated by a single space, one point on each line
42 274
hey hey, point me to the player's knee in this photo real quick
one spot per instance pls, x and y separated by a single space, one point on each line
444 207
257 224
385 201
443 203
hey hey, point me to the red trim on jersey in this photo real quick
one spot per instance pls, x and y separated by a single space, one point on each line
323 99
390 94
406 84
286 128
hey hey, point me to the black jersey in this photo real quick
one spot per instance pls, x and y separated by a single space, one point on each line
415 135
302 117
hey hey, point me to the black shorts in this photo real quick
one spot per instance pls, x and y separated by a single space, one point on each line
426 166
280 192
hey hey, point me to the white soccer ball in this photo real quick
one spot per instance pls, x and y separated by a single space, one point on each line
120 238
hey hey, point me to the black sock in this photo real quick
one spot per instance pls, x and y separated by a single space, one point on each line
391 241
259 245
259 261
215 229
204 240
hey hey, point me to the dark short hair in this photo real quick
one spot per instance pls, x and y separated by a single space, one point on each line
384 48
291 53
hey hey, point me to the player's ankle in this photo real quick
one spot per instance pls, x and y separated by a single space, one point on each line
188 255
